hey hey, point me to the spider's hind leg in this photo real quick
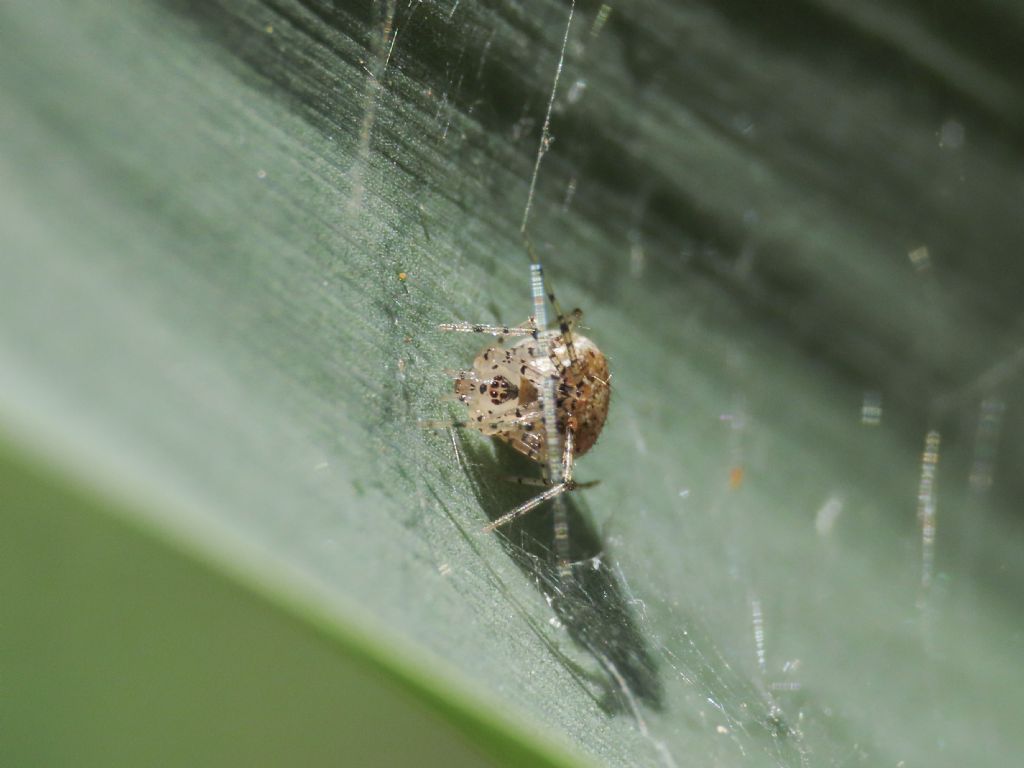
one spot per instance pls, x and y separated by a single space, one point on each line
553 490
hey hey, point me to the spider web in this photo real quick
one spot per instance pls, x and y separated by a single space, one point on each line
740 633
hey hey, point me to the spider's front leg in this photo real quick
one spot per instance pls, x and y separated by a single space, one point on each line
529 328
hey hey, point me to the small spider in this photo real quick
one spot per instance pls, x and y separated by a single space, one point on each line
514 392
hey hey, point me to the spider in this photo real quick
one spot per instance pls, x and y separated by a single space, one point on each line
516 391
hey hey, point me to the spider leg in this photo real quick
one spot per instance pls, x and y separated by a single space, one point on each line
566 484
561 516
488 427
529 328
568 455
529 506
543 288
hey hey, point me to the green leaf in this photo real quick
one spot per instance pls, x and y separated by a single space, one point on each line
230 231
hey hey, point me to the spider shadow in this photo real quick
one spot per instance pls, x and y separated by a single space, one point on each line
593 605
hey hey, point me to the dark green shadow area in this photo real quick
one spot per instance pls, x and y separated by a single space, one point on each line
118 650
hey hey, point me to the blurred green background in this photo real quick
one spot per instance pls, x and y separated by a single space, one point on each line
229 232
